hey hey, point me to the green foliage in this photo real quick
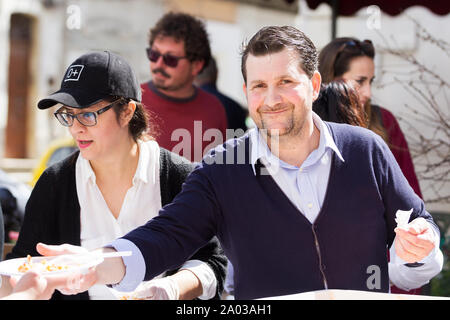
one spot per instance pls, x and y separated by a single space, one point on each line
440 285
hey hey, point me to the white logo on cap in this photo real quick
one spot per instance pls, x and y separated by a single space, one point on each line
74 72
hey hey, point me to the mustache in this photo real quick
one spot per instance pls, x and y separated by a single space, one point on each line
277 107
161 71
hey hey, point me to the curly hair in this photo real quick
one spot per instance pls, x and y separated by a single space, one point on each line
186 28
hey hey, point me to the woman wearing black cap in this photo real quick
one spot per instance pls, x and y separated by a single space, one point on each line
118 180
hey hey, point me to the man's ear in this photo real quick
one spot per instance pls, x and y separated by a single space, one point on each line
316 82
244 87
127 113
197 66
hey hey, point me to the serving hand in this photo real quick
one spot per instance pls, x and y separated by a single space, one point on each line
415 241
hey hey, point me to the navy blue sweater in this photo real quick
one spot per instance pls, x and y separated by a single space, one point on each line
274 249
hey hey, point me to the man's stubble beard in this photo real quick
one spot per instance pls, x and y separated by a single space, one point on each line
293 128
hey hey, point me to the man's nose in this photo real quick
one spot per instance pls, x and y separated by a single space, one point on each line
273 97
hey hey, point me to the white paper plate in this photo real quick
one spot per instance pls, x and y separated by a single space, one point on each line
75 263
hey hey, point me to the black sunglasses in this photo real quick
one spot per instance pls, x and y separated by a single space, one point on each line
87 119
169 60
365 46
353 48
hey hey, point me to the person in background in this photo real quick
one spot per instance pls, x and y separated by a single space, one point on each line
13 198
300 204
21 191
352 60
118 180
190 120
339 102
207 80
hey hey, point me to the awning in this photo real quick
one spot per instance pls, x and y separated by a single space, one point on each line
391 7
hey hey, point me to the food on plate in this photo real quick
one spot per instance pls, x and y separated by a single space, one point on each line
40 266
130 297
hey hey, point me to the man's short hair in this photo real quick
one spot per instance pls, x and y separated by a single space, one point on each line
274 39
186 28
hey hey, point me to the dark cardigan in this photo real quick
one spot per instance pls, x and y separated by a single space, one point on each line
274 249
52 214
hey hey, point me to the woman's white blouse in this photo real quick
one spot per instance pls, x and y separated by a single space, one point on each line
141 203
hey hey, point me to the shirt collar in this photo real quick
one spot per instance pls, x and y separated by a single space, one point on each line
87 174
326 139
142 170
142 167
260 151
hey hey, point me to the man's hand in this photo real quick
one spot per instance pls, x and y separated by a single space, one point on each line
50 250
110 271
415 243
70 283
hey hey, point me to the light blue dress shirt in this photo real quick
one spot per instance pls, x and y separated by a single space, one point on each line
305 186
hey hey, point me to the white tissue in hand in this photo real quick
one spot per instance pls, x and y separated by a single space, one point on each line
402 218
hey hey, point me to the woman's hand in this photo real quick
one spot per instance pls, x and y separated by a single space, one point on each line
159 289
31 286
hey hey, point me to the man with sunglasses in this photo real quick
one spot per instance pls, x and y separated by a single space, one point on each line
178 51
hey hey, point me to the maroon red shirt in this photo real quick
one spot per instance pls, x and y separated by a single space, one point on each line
399 148
188 127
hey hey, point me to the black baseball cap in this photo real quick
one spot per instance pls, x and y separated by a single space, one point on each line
93 77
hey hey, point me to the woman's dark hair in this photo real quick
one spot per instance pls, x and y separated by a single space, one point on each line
138 127
335 57
186 28
338 102
274 39
334 61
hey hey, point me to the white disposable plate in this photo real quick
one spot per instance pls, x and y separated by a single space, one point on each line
76 263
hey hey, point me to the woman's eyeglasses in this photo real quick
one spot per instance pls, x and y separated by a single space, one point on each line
169 60
87 119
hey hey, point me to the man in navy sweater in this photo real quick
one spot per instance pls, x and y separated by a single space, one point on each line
298 204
